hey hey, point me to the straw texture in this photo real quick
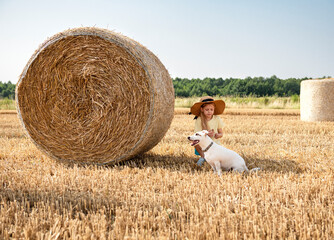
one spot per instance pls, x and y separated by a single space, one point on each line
317 100
90 95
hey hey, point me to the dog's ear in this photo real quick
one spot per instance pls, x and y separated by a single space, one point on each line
205 132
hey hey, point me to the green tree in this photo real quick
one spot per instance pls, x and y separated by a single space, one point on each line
7 90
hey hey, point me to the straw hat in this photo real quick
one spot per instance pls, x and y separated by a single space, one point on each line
219 109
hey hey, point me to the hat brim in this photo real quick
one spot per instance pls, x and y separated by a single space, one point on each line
219 109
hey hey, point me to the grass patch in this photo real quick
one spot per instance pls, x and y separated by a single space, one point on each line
275 102
247 102
7 104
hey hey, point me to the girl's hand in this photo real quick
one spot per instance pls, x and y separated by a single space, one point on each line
211 133
218 135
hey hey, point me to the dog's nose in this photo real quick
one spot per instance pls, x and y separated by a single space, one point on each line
188 138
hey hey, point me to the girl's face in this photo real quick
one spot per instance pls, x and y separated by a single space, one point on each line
208 110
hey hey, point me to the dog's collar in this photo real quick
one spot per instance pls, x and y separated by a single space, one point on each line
208 147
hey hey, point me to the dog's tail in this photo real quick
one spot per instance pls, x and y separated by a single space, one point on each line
255 170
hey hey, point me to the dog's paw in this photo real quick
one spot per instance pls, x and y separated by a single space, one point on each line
200 162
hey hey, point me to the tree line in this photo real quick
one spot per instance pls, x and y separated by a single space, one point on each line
184 87
256 86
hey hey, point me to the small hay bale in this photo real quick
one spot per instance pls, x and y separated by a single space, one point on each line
317 100
90 95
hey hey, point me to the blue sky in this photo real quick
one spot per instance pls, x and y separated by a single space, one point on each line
193 39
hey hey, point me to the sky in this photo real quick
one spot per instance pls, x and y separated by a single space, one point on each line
192 38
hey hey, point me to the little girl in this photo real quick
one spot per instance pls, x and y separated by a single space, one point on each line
206 111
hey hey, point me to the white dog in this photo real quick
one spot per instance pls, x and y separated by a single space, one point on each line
218 156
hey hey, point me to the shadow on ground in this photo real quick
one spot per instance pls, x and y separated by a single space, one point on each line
188 164
272 165
169 162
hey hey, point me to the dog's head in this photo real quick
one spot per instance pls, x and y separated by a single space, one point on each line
198 137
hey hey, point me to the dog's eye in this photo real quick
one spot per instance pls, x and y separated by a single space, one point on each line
196 134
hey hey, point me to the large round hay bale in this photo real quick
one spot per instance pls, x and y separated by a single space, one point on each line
317 100
90 95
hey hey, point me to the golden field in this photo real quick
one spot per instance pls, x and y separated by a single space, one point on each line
164 195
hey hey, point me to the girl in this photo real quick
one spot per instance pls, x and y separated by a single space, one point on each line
206 111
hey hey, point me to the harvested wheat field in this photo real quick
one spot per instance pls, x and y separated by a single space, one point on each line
164 195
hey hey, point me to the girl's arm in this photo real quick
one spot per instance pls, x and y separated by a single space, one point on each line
219 134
